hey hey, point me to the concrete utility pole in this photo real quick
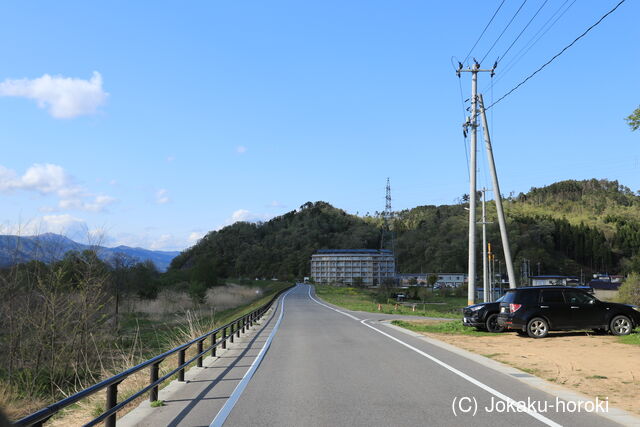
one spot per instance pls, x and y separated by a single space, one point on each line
485 268
498 198
473 122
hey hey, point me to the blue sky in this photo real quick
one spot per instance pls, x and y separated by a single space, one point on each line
151 123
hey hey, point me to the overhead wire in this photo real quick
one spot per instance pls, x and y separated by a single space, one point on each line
501 57
532 42
464 116
556 55
483 31
503 31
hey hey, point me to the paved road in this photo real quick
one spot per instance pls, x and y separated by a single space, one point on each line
331 368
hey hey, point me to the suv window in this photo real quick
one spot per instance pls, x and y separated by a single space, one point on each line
577 297
509 296
527 296
552 295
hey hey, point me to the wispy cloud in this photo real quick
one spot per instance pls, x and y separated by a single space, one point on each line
64 97
162 196
50 179
65 224
241 149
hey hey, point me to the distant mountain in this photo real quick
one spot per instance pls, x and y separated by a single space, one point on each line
51 247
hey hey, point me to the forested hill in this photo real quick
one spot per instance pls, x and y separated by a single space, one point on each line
282 246
567 227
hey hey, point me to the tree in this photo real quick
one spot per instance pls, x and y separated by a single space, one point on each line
629 292
432 279
634 119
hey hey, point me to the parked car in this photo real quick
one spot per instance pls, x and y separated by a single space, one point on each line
535 311
483 316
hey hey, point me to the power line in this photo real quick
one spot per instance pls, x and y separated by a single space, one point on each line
557 54
501 57
464 115
483 31
505 29
532 42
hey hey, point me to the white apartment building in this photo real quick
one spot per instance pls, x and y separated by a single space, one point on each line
348 266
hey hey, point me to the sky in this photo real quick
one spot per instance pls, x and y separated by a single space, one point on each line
152 123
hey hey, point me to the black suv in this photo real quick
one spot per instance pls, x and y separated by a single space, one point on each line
537 310
483 316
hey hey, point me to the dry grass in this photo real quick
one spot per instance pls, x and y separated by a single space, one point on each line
193 324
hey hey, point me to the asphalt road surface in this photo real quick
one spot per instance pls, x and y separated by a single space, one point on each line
329 367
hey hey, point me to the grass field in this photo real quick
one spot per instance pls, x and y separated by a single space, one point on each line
452 328
365 300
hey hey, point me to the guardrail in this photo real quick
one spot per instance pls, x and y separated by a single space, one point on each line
218 337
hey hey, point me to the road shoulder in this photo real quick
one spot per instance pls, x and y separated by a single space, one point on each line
614 414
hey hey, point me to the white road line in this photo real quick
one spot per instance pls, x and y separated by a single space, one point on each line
472 380
331 308
224 412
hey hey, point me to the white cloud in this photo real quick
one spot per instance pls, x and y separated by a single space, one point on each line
241 149
43 178
98 204
65 224
244 215
162 196
65 97
276 204
49 179
171 159
195 236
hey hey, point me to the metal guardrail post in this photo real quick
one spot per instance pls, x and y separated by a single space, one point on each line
153 377
199 362
180 363
231 334
244 323
213 342
224 338
238 328
112 400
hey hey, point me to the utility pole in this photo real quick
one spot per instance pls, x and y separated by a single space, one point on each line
473 123
485 268
497 197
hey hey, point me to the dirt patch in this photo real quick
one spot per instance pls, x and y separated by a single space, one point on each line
597 366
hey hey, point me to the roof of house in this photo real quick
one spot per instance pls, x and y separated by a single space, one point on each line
354 251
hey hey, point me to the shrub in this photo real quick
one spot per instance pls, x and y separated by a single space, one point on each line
629 292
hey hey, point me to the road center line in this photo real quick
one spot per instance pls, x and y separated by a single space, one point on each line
461 374
224 412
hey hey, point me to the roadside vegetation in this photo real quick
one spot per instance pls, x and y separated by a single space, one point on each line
68 324
451 328
444 303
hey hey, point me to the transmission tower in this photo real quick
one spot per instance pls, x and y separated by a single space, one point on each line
387 241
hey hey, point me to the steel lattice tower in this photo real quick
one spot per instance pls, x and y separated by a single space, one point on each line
387 216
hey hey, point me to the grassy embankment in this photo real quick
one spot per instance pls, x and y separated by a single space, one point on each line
435 304
141 336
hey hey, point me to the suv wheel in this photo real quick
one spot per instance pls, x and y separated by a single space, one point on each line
537 328
620 325
492 323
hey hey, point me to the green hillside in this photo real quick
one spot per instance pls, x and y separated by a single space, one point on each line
567 227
